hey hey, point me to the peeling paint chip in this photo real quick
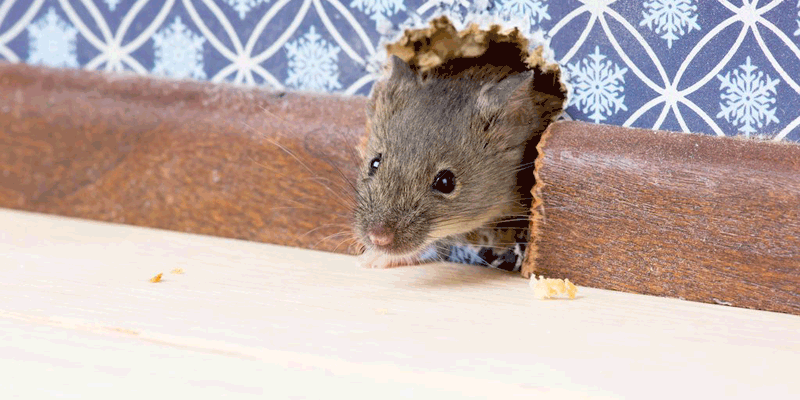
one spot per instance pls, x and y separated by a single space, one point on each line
545 288
156 278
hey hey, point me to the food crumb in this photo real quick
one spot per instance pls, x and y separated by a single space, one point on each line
123 330
382 311
156 278
545 288
177 271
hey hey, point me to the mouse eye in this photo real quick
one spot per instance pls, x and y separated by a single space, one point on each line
374 164
445 182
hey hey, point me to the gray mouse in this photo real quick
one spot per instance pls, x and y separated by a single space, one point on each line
448 160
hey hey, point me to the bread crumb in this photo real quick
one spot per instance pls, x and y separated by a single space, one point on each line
123 330
177 271
545 288
156 278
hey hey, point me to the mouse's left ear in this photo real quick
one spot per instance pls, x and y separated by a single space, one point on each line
401 78
533 98
493 96
543 95
401 71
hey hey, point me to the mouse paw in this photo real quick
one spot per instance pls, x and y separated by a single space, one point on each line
374 260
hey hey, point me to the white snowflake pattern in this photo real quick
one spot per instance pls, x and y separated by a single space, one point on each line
460 12
52 41
377 61
669 18
464 12
244 6
313 63
379 9
466 6
178 52
598 86
465 255
430 254
533 10
748 98
797 32
112 4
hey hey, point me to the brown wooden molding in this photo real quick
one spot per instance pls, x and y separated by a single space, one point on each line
677 215
185 156
697 217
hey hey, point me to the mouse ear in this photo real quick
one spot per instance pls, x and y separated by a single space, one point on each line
401 70
494 96
529 100
384 91
543 95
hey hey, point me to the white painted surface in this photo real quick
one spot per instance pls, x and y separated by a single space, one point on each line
80 319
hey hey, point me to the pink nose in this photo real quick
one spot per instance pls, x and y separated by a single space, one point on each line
381 236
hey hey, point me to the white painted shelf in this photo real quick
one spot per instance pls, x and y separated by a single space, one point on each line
79 318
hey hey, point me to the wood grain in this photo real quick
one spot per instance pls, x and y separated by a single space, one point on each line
185 156
676 215
79 318
697 217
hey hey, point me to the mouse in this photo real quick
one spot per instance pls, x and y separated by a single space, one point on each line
448 160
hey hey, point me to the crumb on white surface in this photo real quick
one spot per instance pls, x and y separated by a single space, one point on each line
156 278
546 288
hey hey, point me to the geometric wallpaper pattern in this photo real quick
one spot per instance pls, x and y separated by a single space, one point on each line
721 67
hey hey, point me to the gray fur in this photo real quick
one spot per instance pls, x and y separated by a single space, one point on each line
470 124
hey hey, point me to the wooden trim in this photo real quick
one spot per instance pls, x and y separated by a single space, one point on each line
275 167
697 217
184 156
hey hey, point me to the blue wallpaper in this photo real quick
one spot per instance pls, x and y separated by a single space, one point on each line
713 66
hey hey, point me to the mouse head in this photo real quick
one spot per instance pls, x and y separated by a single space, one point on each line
442 153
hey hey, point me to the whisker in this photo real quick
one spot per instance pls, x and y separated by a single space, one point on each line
323 226
316 179
343 216
343 242
519 219
303 206
329 237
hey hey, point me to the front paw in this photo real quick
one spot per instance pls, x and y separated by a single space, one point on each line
374 260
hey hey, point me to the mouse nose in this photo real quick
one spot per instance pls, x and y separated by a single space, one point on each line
380 236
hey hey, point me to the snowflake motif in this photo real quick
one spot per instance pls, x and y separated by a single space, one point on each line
52 41
748 98
379 9
430 254
597 86
178 52
462 13
244 6
112 4
466 5
670 18
532 10
312 63
797 32
465 255
376 62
